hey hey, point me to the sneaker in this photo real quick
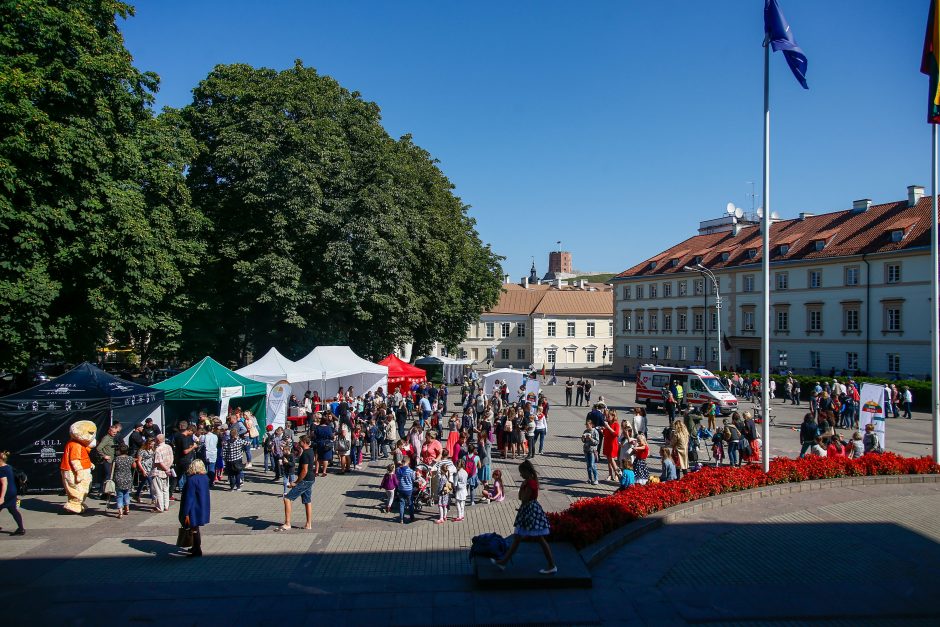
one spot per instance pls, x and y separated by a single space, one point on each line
439 522
19 532
248 465
549 571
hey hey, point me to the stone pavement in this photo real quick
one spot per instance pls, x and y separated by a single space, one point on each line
353 547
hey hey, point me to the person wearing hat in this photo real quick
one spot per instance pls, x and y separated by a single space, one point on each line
150 429
136 439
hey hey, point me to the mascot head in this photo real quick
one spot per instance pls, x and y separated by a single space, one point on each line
83 432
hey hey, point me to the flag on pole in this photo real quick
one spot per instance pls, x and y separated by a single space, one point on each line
780 38
930 63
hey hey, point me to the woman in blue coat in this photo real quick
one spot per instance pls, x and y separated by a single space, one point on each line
194 508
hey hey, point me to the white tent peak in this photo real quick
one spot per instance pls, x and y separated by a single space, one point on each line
274 367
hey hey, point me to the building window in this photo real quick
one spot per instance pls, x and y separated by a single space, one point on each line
815 320
653 290
610 330
639 351
504 353
715 354
783 359
748 282
892 273
551 329
590 355
667 352
490 329
667 290
667 322
504 329
783 321
626 292
520 329
892 318
748 320
520 354
443 351
851 320
590 329
782 280
627 351
654 353
894 362
698 322
814 360
682 288
698 354
683 354
851 361
639 322
627 321
698 286
714 321
851 275
551 355
654 321
683 322
815 279
571 329
639 292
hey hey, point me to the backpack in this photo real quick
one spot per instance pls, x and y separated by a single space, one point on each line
488 545
471 466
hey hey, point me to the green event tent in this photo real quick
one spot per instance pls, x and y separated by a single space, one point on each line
206 386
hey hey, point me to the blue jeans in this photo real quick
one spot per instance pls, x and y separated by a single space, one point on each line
248 453
210 472
540 436
288 478
354 455
406 498
425 415
123 499
180 478
733 453
591 459
145 481
268 461
373 449
472 484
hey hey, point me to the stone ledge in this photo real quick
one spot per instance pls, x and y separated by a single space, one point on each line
595 553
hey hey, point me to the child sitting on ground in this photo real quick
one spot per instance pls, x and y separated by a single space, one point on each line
389 484
496 492
627 476
718 448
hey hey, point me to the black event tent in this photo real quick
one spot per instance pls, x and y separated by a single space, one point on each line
34 423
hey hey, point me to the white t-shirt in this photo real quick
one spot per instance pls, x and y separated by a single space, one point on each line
460 485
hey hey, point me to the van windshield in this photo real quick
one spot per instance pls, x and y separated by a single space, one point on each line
713 384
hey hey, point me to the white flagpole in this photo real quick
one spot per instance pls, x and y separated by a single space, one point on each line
765 263
934 302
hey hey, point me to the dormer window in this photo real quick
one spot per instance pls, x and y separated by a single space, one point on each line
751 253
674 263
698 259
897 235
652 265
725 256
819 244
784 249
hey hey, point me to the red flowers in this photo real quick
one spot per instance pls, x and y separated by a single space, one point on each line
585 521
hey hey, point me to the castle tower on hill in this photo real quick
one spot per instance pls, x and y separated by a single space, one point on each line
559 265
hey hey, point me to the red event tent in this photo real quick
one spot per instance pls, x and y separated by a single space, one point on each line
400 372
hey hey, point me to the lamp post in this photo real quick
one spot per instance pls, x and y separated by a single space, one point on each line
711 275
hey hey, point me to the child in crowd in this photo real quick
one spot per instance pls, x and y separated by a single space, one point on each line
718 448
669 466
123 475
444 488
460 489
496 493
473 469
627 476
389 484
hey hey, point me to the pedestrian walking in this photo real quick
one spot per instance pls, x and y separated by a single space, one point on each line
8 493
303 487
531 522
194 507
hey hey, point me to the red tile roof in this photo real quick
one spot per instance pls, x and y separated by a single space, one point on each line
846 233
553 301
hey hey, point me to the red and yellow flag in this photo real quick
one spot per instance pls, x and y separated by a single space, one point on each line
930 62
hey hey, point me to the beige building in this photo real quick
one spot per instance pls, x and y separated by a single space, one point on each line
536 324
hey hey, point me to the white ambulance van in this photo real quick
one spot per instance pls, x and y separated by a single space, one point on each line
698 386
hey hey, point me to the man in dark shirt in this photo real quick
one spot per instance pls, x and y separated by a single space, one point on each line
184 452
150 429
303 487
569 386
579 398
598 420
136 439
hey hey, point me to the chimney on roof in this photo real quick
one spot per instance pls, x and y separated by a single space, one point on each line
805 214
862 205
582 283
525 282
505 278
914 193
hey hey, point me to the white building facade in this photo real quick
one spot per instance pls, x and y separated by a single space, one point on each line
849 294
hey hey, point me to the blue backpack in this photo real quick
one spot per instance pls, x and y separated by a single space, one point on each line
488 545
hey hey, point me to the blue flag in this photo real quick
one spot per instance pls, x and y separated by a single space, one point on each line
780 38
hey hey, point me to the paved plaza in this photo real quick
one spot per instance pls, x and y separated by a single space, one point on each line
359 565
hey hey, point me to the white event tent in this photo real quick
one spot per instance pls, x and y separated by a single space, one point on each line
340 367
513 379
274 367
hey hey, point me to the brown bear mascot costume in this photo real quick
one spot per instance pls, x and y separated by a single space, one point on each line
76 465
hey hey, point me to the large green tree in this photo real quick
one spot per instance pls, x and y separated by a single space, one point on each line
98 232
325 229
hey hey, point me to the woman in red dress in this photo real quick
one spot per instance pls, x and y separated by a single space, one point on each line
612 445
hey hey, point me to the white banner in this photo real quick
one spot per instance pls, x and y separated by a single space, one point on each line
872 409
277 404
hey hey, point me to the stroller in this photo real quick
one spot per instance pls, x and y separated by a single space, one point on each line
422 493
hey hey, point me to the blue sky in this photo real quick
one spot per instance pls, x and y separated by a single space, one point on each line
612 126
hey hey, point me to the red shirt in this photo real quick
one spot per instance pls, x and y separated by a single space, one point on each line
533 486
430 452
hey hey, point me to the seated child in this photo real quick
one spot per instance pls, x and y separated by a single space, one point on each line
495 492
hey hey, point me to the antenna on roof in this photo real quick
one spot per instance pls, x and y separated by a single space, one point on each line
760 212
752 195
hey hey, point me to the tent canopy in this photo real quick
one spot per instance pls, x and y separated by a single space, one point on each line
34 423
513 379
443 369
274 367
340 367
203 387
401 374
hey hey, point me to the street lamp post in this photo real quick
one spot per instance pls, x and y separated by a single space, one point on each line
711 275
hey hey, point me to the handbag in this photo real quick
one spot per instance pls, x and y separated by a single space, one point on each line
184 537
109 488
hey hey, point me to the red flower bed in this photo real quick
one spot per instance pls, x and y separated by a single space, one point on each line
585 521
